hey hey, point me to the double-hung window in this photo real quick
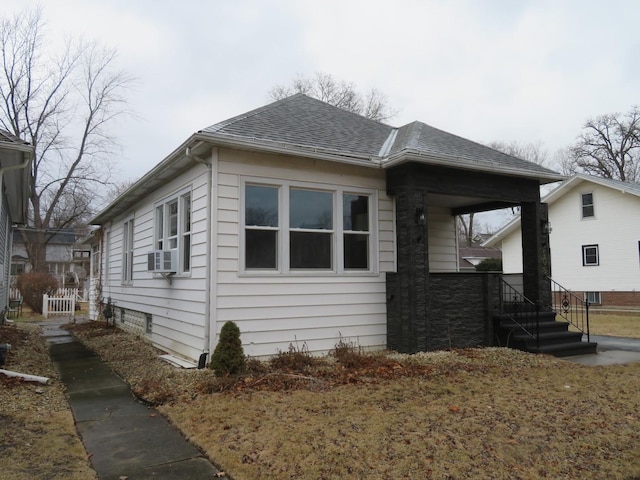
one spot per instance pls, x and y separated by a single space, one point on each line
296 227
127 251
590 255
173 228
587 205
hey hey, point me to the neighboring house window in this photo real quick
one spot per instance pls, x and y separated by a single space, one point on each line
590 255
295 227
127 251
173 228
587 205
592 297
17 268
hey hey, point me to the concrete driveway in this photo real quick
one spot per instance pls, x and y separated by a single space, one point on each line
611 351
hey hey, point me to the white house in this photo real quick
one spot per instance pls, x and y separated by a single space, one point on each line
594 242
15 159
303 223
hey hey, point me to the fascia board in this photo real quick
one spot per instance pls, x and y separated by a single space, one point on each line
457 162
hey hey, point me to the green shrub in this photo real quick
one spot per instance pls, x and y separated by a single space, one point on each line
489 265
228 356
33 285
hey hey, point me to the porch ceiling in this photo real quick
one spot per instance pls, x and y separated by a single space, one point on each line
461 204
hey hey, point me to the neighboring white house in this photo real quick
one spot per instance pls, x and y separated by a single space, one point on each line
594 240
15 158
280 220
64 259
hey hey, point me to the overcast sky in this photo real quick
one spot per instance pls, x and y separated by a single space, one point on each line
488 70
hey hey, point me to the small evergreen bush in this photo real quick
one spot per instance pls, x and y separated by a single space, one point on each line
228 356
33 285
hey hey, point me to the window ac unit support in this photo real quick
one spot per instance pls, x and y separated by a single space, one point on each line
167 277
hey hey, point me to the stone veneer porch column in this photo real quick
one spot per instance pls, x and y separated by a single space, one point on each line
407 290
536 263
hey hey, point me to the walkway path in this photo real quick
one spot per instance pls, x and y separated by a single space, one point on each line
124 438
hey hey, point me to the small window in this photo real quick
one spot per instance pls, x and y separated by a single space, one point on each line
148 323
127 251
122 315
590 255
261 227
592 297
173 228
587 205
355 225
310 229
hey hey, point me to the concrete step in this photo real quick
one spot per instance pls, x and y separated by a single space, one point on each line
568 349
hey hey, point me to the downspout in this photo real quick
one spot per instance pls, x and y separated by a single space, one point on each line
202 361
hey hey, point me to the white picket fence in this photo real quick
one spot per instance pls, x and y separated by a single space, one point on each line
63 302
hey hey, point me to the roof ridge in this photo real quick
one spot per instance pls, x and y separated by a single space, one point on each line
251 113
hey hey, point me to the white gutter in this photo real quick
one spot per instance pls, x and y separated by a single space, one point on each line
284 148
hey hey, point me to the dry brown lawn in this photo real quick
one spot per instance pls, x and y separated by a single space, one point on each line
38 439
468 414
616 325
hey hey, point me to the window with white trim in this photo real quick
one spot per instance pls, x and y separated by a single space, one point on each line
592 298
173 228
587 205
127 251
590 255
297 227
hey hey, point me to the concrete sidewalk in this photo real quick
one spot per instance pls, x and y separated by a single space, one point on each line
611 351
123 437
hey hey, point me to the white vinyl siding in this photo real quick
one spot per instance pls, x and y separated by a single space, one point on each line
615 229
443 251
178 308
314 308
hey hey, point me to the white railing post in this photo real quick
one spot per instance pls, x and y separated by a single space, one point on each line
45 305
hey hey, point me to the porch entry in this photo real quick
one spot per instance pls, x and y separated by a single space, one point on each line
429 310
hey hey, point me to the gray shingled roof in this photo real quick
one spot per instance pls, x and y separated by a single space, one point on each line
303 121
307 123
427 140
10 138
304 126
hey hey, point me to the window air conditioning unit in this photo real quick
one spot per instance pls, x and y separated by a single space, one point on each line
162 261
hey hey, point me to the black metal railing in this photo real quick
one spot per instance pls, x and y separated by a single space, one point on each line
570 307
524 313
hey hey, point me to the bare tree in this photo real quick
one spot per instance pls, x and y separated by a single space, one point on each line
609 146
466 228
341 94
62 105
532 152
